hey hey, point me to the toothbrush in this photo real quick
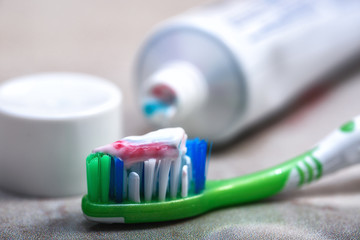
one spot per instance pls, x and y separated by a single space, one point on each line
161 176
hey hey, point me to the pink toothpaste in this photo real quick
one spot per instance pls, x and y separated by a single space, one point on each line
164 144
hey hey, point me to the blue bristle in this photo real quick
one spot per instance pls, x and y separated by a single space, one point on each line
112 180
201 151
142 177
119 170
197 151
116 180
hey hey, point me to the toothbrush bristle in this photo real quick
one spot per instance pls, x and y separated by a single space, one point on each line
113 180
184 182
134 187
197 149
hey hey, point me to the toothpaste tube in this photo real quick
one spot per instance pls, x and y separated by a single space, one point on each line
218 69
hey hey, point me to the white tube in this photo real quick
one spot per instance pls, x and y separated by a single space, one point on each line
218 69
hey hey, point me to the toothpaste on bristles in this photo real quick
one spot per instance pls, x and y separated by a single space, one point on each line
164 144
151 166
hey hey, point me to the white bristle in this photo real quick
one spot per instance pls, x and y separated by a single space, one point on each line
184 181
163 178
174 177
149 168
188 163
134 187
156 178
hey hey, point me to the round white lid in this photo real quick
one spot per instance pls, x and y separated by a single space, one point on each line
57 95
49 123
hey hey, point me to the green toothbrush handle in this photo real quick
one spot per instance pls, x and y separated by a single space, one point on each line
341 148
338 150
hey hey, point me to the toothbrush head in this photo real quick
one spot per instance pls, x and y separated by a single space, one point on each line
154 177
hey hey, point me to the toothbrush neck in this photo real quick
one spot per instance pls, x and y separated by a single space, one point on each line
285 177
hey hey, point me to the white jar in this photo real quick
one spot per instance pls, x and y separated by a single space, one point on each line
49 123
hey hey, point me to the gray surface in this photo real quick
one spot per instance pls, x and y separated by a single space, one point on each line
101 38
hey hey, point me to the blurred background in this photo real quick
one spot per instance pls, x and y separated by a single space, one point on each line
102 38
95 37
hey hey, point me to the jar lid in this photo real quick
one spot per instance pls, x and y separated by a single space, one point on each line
49 123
